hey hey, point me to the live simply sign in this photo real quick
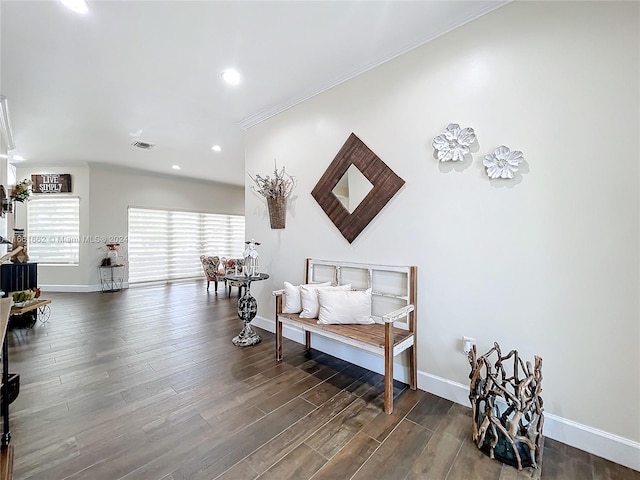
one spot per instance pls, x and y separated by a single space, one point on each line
51 183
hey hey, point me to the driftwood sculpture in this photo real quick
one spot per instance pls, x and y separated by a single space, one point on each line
507 407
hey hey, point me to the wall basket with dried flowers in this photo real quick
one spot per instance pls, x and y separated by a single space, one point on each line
22 191
275 190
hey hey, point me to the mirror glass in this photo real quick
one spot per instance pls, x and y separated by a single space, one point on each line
352 187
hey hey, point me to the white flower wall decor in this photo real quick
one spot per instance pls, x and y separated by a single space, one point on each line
503 163
454 143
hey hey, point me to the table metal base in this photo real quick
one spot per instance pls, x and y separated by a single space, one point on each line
247 309
247 337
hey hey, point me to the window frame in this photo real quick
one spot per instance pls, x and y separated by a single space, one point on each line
39 237
182 263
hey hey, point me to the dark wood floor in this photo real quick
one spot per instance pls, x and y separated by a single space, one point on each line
145 384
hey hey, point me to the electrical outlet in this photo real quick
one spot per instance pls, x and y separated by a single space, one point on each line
467 344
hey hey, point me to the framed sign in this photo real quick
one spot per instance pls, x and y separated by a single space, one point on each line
51 183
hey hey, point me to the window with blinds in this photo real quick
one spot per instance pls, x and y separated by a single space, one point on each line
53 230
166 245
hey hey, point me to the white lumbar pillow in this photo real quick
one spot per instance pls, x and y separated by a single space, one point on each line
292 296
309 299
343 307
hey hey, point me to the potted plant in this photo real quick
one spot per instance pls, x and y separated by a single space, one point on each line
275 189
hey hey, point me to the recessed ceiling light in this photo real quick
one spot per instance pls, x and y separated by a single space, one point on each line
231 76
18 158
78 6
216 148
176 167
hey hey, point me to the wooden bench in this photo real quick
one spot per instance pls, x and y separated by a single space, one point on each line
393 332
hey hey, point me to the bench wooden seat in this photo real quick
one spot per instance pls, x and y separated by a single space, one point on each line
367 337
393 332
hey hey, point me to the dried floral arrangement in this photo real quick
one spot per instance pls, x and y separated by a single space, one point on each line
281 185
22 191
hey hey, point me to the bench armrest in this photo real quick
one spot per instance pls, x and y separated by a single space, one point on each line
397 314
276 293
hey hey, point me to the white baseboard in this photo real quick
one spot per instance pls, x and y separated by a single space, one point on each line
75 288
597 442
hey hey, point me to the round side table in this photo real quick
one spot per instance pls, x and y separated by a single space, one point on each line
247 310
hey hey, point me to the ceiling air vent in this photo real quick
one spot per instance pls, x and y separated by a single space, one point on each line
142 145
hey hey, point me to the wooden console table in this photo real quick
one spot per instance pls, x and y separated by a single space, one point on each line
29 307
41 307
6 454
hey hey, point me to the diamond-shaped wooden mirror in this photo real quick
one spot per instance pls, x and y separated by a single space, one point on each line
385 185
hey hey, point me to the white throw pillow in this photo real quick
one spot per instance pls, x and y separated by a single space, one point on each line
309 299
343 307
292 296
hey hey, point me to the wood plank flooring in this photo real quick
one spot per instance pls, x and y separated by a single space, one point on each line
146 384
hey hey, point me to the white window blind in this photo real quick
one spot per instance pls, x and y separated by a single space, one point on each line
166 245
53 230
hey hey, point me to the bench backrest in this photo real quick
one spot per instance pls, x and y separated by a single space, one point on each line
392 287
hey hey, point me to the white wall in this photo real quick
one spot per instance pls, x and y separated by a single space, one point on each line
546 263
4 181
105 195
73 276
114 190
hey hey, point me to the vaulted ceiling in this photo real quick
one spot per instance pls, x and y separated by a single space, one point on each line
79 86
